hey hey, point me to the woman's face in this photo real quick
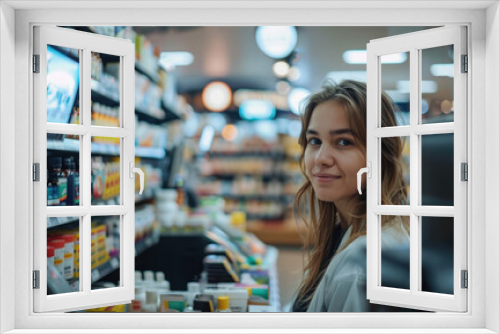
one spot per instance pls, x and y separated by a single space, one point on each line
332 157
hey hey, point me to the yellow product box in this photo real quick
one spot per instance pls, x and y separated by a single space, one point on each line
102 253
93 248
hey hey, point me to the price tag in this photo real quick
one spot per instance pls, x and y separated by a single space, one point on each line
115 263
95 275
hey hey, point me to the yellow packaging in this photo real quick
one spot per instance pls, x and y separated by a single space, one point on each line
115 308
93 249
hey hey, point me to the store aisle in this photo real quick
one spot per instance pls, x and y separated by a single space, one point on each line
289 272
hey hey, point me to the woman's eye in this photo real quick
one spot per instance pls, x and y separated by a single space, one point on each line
314 141
344 142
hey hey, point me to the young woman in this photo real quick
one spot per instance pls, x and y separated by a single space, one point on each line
333 141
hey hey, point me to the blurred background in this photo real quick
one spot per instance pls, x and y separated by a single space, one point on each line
217 121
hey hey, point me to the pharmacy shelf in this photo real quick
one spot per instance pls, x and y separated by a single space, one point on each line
112 99
264 176
144 71
276 155
285 233
57 221
252 197
262 217
113 263
73 145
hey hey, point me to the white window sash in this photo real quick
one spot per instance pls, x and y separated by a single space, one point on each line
414 297
85 297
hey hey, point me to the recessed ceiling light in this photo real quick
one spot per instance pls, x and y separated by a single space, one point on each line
281 69
443 70
216 96
360 56
276 41
170 60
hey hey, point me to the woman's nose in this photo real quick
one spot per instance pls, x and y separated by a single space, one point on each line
325 156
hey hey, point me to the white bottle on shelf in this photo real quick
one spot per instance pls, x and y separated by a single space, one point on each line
193 288
166 207
151 305
138 278
162 285
149 280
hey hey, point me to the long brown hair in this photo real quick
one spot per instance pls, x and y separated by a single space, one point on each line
320 216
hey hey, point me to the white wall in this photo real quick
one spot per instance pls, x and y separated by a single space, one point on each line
492 150
7 186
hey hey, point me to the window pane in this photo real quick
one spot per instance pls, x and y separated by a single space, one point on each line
391 193
105 171
63 254
437 84
395 78
395 252
437 170
105 252
105 84
437 254
63 78
63 170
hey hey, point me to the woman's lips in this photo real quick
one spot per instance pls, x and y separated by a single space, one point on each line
326 177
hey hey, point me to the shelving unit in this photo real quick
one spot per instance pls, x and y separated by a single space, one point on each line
154 156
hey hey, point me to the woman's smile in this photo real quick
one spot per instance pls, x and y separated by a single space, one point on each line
326 178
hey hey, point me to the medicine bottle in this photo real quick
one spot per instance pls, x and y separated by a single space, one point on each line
223 304
58 245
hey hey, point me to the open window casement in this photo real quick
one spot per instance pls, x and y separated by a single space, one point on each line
423 210
62 73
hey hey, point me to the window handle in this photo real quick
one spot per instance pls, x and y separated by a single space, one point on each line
139 171
367 170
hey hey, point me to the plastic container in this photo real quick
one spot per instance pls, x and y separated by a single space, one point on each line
223 304
162 285
151 304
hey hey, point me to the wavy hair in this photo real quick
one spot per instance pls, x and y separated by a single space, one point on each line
320 216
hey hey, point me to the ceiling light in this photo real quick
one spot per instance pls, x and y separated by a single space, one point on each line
216 96
229 132
257 109
443 70
296 98
428 87
281 69
170 60
339 76
275 41
360 56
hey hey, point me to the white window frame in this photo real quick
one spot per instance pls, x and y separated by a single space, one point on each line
414 44
483 21
85 43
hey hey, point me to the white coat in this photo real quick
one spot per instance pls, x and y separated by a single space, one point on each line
343 286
